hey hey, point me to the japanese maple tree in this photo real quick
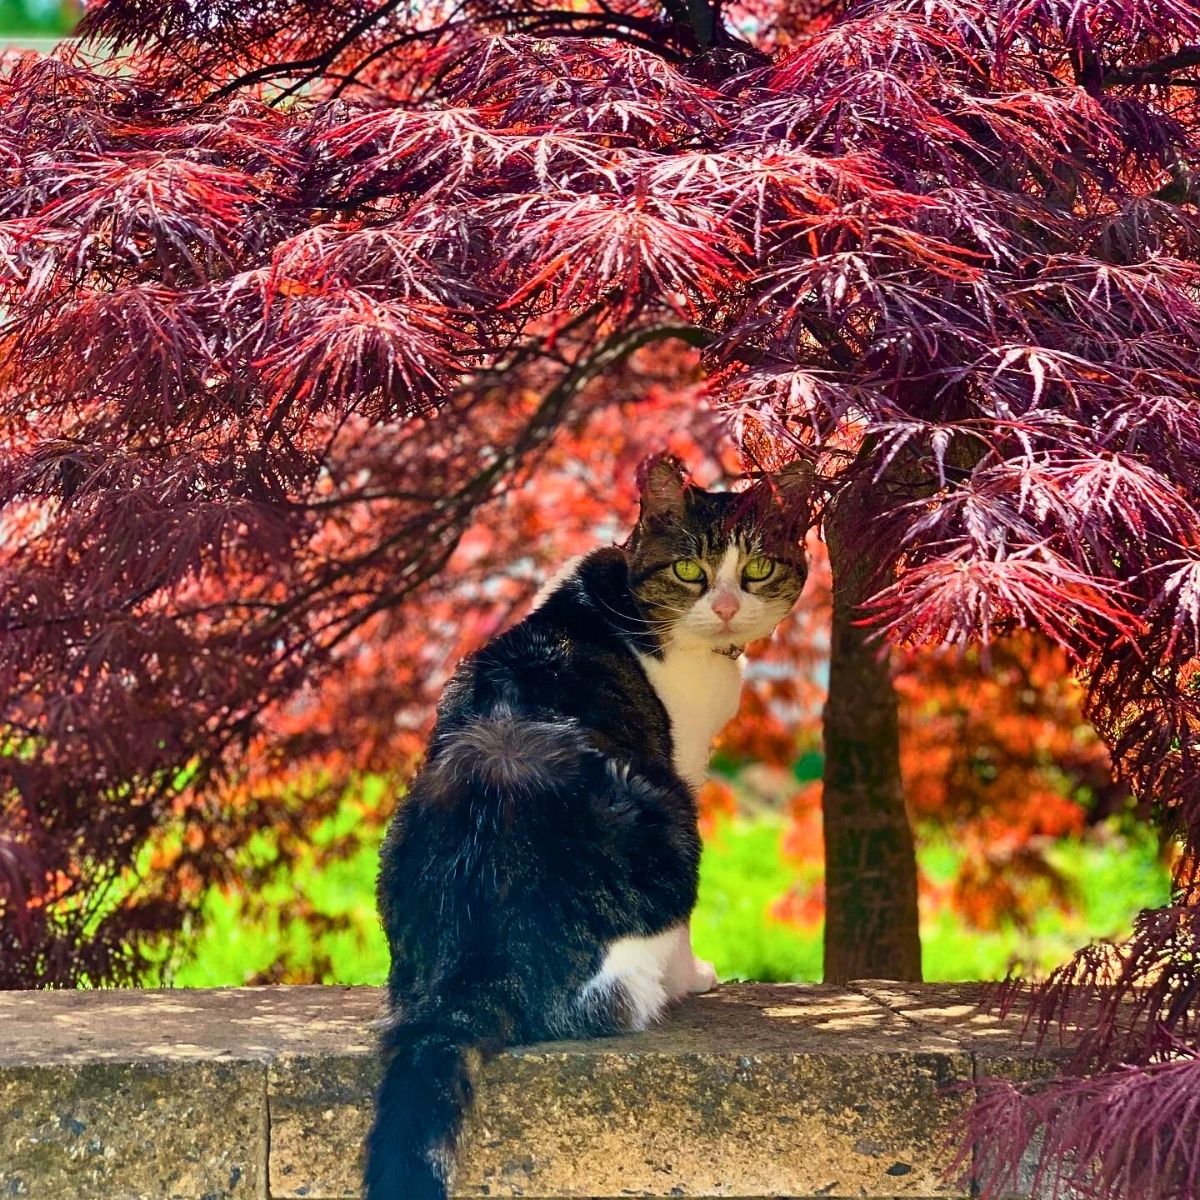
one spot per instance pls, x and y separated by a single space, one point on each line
294 293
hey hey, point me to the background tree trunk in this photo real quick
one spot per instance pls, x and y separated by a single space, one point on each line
871 928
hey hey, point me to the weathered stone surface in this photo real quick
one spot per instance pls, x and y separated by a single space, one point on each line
133 1131
712 1125
1000 1050
209 1024
320 1113
753 1091
154 1095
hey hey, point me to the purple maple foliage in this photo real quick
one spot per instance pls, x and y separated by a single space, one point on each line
278 282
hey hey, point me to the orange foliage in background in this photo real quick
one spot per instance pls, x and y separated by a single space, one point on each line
997 753
1000 753
372 714
995 750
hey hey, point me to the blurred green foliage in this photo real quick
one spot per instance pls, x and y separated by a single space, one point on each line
318 922
39 18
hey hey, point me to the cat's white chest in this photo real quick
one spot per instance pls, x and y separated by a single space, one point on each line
700 691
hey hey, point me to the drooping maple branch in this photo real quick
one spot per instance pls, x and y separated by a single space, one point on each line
1162 72
314 64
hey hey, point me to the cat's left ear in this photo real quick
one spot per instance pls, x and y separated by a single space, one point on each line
664 484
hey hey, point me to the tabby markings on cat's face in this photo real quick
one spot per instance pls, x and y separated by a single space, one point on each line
714 568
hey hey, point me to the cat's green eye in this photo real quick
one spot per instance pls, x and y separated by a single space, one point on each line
689 570
758 568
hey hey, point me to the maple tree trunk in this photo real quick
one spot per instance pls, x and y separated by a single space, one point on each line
871 927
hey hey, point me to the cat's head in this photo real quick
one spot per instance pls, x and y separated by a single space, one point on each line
717 568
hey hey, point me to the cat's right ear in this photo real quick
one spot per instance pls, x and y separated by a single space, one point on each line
664 484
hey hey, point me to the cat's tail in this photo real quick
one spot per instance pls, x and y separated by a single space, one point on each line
426 1090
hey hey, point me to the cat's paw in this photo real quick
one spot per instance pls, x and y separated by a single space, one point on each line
704 977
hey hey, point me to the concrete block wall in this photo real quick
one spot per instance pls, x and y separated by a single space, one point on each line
255 1093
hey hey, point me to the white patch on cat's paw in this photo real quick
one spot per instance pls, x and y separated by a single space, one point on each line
704 977
638 966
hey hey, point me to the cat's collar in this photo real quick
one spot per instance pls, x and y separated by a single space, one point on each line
729 651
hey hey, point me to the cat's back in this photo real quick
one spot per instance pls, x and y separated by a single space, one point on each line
531 731
577 659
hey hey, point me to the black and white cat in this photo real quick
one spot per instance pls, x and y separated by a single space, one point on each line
538 879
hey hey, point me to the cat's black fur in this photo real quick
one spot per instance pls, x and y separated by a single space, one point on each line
547 822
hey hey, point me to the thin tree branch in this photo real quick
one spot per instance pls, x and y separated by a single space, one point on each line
317 61
1160 72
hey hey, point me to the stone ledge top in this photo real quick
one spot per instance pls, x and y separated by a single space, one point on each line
265 1024
760 1091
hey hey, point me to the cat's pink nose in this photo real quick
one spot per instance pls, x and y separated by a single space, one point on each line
725 606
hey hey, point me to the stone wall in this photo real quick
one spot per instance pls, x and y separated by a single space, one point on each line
752 1091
